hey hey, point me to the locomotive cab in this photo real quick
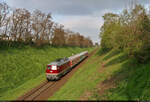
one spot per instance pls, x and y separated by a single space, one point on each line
52 69
51 72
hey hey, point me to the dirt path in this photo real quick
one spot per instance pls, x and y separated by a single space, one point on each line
47 89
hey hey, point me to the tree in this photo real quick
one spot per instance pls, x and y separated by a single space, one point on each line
4 20
58 35
42 27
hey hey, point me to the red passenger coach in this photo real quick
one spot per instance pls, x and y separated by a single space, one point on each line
61 66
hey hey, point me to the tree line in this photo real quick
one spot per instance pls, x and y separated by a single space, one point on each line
128 31
22 26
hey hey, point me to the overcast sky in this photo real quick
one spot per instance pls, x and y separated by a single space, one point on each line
83 16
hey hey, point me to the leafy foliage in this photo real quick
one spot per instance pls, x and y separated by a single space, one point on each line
128 32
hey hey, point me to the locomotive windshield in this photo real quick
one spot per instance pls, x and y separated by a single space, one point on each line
48 67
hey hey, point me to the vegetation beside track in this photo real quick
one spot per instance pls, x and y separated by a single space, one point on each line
131 81
22 68
109 76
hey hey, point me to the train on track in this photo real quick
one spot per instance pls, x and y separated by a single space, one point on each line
55 70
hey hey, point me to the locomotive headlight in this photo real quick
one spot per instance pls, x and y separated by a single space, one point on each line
54 67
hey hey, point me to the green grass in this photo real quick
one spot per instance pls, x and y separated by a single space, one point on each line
16 92
19 66
134 82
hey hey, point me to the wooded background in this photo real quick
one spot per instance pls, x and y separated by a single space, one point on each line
21 26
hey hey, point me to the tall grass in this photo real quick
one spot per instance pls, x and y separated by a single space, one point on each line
136 83
134 78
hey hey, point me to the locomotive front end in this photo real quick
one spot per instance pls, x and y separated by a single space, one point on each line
52 72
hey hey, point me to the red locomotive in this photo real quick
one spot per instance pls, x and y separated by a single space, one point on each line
61 66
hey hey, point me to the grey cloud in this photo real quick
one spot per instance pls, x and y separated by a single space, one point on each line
71 7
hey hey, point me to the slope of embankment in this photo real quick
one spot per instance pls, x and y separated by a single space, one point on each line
24 68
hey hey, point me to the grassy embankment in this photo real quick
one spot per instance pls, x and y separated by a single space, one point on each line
110 76
23 68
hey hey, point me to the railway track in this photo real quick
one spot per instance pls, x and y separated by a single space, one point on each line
35 93
47 89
